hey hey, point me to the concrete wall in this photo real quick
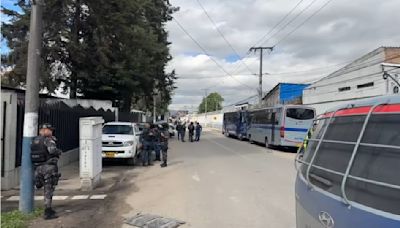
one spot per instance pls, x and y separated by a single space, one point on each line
211 119
273 97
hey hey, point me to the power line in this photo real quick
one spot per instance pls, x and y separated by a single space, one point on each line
307 19
223 37
272 29
280 21
290 21
372 61
206 53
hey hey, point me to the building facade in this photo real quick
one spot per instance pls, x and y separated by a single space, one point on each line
363 78
284 93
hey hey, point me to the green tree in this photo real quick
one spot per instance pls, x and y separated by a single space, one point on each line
214 103
99 49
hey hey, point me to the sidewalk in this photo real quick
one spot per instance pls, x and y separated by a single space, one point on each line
68 187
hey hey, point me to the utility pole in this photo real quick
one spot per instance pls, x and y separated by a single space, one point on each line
31 106
205 99
255 49
154 108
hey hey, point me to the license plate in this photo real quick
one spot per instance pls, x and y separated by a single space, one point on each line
110 154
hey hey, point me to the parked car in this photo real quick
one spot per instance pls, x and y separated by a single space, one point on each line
120 140
348 167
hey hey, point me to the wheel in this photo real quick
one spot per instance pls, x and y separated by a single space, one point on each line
226 133
266 143
241 138
132 161
250 140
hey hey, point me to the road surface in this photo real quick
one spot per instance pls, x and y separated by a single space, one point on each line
217 182
220 182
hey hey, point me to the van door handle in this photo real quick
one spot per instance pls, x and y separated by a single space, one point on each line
322 180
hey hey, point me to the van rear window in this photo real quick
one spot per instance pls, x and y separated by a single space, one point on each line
300 113
372 161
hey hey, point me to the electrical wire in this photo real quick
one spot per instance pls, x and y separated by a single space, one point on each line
206 53
269 32
301 24
279 22
223 37
290 21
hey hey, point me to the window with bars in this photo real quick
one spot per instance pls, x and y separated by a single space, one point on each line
373 179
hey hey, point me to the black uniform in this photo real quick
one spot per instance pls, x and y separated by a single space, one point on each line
191 132
164 146
45 155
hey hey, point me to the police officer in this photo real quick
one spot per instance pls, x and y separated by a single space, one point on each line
157 142
147 139
198 129
191 131
164 135
45 155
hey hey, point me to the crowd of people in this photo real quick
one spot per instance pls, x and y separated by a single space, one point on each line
154 138
194 130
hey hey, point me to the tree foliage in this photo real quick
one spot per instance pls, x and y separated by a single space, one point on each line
213 102
97 49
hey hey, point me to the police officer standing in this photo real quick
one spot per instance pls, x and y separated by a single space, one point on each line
157 143
147 139
164 135
191 131
198 129
45 155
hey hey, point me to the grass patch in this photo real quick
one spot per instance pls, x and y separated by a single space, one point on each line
17 219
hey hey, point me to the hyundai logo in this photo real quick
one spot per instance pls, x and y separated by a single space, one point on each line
110 143
326 219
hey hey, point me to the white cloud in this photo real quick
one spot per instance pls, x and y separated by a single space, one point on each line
339 33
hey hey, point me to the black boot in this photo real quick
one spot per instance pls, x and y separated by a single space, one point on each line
49 213
164 164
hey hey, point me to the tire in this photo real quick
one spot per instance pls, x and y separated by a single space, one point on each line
266 143
250 140
227 134
240 137
132 161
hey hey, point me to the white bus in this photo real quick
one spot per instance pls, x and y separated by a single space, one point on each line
281 125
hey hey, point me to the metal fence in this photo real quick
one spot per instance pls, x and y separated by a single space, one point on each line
65 119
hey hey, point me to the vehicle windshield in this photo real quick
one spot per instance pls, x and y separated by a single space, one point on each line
300 113
117 130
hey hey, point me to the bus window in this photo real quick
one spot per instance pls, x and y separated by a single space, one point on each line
300 113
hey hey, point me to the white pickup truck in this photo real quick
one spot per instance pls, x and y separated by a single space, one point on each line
120 141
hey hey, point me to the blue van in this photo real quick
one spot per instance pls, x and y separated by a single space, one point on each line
349 167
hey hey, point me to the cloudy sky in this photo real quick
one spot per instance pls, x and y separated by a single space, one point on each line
314 40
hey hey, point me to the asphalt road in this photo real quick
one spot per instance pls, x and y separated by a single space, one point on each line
219 182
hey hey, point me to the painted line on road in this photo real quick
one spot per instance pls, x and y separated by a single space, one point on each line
13 198
76 197
60 197
97 197
39 197
80 197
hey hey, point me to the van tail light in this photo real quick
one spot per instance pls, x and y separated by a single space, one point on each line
282 132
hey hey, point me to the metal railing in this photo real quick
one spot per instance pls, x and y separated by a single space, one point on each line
346 175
